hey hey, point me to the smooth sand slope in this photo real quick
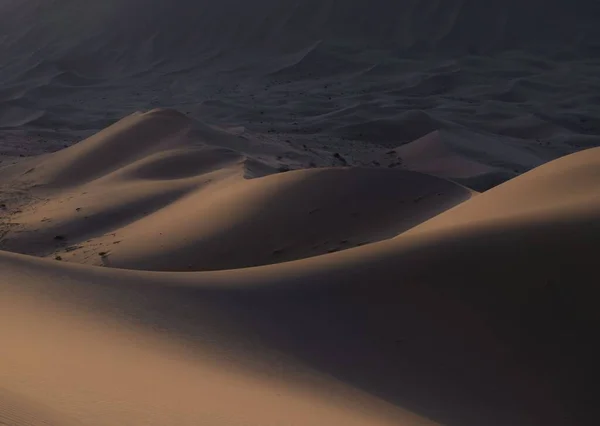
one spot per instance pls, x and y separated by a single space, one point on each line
153 192
463 309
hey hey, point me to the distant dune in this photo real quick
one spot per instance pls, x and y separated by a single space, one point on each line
330 75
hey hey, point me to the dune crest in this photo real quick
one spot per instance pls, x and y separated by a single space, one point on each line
447 316
299 212
177 199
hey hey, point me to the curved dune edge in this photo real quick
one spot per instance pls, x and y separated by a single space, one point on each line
158 191
480 315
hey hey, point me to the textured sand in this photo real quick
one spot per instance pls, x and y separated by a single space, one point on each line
441 304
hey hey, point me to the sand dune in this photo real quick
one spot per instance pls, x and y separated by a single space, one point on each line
474 159
323 73
337 213
173 201
462 309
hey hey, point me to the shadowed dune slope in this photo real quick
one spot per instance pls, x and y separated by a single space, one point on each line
158 191
317 259
481 321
